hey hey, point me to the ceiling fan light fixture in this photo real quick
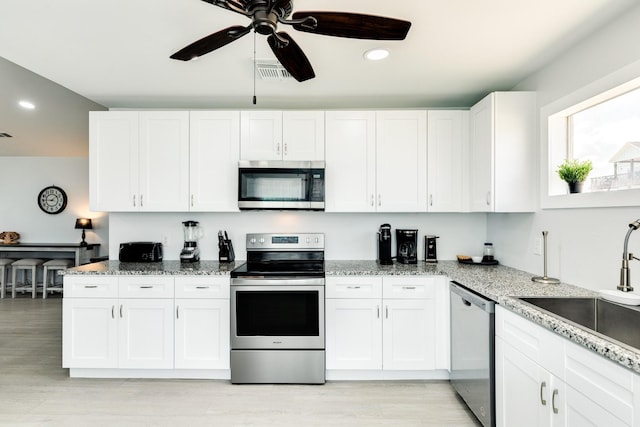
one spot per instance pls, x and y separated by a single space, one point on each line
376 54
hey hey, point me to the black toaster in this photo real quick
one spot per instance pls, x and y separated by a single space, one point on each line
140 252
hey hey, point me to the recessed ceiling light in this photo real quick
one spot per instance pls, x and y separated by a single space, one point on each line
27 105
376 54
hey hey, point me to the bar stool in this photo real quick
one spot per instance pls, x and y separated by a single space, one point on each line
50 268
5 264
25 265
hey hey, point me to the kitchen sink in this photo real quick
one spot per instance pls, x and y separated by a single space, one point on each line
612 321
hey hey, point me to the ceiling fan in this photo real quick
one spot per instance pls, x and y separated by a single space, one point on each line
265 16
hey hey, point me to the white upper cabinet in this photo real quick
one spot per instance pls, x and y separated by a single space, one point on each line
350 161
278 135
447 160
376 161
214 153
502 153
401 161
139 161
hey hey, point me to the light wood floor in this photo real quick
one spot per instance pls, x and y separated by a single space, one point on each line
36 391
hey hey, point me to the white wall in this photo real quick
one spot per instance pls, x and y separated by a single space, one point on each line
585 245
348 236
22 179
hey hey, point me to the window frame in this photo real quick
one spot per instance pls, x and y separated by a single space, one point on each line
555 140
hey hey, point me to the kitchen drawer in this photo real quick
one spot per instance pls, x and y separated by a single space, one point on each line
202 287
409 288
145 287
90 286
353 287
611 385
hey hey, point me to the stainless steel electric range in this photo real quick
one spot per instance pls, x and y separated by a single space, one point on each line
277 311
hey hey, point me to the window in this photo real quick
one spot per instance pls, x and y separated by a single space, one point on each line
608 134
599 122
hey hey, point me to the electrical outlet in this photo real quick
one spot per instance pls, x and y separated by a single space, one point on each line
165 240
537 248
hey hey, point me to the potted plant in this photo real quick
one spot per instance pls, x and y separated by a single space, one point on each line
574 172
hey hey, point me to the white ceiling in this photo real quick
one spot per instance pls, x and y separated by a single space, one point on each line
116 52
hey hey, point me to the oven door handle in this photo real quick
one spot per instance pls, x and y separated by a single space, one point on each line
282 281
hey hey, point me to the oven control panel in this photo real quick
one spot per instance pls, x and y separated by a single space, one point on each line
285 241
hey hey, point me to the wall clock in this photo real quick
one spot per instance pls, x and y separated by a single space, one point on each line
52 199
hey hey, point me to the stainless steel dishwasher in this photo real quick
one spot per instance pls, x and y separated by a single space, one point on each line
472 351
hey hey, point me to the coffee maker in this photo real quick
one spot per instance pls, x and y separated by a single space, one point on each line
407 244
384 245
190 252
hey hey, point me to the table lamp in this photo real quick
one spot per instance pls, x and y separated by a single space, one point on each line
83 224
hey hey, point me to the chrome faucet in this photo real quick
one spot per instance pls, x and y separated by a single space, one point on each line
625 273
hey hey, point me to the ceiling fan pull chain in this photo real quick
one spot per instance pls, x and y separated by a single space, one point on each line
255 100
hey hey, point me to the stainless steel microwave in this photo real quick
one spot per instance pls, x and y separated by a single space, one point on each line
281 185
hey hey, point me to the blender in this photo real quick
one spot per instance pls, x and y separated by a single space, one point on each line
190 251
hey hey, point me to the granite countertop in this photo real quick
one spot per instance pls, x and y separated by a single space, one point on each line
499 283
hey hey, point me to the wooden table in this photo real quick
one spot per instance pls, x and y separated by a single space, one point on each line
80 254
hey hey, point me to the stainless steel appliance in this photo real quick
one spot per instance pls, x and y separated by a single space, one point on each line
407 246
277 311
192 233
430 251
140 252
281 185
384 245
472 351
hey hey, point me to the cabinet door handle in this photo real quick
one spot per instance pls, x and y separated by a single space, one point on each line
192 200
430 199
488 198
285 149
386 311
177 312
553 400
378 311
113 311
543 384
278 149
379 200
134 200
141 204
121 311
372 197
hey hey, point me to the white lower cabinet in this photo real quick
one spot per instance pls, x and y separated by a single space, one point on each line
202 323
385 323
543 379
145 323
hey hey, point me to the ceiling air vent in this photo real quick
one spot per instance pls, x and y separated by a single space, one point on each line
5 135
272 70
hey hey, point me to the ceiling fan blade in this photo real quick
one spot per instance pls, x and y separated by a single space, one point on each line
291 57
211 42
354 25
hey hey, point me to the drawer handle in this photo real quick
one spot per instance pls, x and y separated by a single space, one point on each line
353 287
408 287
543 384
146 287
90 286
202 287
553 400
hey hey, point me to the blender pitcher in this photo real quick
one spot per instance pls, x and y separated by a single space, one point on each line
192 233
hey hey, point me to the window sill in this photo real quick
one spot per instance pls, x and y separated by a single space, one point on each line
600 199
